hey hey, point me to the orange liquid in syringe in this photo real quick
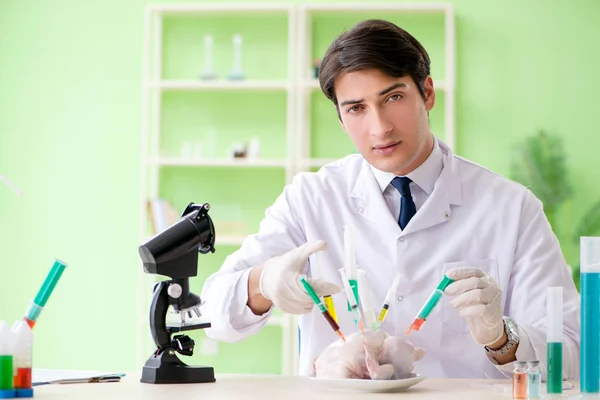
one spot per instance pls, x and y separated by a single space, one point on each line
333 324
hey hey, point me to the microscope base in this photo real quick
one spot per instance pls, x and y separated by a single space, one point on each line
166 368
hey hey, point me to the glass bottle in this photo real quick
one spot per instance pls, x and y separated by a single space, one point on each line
534 380
520 380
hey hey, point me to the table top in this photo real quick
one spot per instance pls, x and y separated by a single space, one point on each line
276 387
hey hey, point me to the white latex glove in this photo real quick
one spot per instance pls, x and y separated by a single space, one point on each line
280 280
479 299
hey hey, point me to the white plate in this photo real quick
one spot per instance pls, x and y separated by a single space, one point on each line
367 385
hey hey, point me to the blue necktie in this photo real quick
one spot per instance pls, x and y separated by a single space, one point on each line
407 205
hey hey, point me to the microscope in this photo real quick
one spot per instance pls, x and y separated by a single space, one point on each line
174 253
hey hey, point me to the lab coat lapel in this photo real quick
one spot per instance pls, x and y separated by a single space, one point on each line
446 192
369 201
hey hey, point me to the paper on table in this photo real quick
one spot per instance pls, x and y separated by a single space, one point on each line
54 376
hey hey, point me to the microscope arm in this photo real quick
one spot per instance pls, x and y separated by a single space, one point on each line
158 316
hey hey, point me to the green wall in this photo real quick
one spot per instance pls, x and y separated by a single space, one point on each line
70 121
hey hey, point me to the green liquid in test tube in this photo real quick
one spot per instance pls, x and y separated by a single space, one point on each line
429 305
6 361
36 307
554 339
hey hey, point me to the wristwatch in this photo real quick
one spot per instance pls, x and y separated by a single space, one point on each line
512 332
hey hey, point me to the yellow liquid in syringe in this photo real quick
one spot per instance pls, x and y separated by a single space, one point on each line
330 307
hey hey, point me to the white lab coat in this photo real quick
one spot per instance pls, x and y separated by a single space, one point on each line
473 216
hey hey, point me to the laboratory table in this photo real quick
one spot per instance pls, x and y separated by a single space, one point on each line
267 387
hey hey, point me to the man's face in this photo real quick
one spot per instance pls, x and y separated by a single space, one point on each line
386 118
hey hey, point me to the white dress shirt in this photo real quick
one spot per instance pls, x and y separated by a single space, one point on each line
423 181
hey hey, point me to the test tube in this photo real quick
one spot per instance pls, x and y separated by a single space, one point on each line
313 295
38 304
388 299
6 362
554 310
590 315
429 305
366 299
350 263
351 299
22 360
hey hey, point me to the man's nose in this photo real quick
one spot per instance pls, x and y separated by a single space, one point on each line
379 125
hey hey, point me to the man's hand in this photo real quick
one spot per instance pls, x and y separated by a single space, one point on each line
479 300
280 280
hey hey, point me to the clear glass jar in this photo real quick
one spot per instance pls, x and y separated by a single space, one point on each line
520 380
534 380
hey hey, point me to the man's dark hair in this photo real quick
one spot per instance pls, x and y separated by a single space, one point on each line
374 44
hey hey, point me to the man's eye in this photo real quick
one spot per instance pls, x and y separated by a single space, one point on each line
395 97
353 109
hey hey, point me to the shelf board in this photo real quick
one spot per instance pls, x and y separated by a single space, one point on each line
231 7
222 240
229 240
220 85
390 7
317 162
314 84
440 85
275 320
209 162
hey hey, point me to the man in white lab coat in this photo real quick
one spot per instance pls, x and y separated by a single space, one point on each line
415 208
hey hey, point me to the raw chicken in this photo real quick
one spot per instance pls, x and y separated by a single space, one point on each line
368 355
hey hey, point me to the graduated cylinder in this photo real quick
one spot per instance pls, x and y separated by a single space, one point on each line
590 315
554 338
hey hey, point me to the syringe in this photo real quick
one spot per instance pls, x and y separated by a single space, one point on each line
327 299
366 300
313 295
351 300
388 299
350 263
429 305
36 307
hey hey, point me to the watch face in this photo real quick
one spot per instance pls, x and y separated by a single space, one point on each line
511 329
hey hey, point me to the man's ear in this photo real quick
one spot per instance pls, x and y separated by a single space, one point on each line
429 93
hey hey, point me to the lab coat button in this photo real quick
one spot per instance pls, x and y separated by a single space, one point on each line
402 239
360 210
400 298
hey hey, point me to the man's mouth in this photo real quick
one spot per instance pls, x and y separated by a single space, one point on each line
385 149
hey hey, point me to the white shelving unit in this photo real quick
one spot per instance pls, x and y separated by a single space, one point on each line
298 88
154 86
222 85
215 162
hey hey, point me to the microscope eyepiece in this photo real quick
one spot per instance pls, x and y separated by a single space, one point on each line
174 252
